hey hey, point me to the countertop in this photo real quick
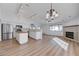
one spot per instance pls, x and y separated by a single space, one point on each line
21 32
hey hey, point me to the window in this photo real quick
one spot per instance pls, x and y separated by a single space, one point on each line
56 28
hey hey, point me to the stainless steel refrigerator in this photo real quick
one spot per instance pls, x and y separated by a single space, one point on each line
5 31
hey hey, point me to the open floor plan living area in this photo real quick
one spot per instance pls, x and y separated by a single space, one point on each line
39 29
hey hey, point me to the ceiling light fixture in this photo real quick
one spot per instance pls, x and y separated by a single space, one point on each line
51 14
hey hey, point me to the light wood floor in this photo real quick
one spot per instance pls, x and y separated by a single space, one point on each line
45 47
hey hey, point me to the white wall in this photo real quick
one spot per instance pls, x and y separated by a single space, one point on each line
72 29
15 21
46 30
72 22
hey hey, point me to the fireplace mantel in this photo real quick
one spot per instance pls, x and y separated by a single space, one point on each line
71 26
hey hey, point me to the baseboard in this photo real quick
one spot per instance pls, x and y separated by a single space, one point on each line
52 35
71 39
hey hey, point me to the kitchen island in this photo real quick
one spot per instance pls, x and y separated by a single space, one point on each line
22 37
35 34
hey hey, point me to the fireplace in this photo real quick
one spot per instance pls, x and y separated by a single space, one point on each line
70 35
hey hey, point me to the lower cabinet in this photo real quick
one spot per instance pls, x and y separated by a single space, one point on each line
35 34
22 38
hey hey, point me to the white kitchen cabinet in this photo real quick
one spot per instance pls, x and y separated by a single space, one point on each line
22 37
35 34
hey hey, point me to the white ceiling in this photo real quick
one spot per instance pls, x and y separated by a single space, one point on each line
37 11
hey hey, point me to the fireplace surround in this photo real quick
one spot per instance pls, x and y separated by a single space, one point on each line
72 32
70 35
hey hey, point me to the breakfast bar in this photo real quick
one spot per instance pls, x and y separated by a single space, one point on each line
35 34
22 37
